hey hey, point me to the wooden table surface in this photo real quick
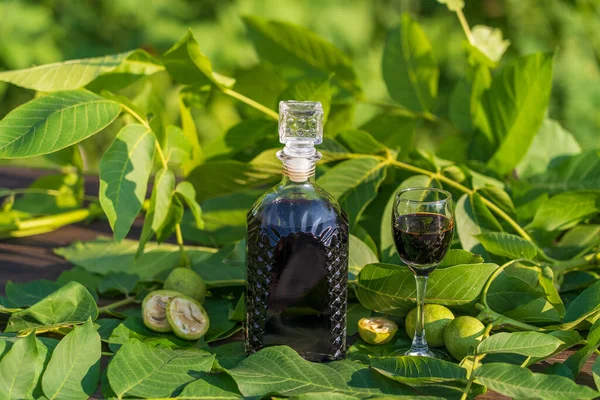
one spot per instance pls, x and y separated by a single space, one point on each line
31 258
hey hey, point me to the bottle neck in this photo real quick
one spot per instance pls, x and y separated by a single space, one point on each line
298 169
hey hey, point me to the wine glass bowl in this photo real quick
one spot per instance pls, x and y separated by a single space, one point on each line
422 226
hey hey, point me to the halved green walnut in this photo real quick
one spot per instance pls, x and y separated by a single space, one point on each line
154 309
377 330
187 318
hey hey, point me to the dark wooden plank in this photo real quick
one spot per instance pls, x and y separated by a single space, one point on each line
26 259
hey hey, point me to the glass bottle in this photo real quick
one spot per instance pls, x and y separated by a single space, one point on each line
297 250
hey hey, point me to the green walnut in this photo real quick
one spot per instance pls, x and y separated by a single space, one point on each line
154 309
186 281
377 330
187 318
462 335
436 319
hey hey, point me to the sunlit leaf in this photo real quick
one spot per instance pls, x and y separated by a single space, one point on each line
409 69
75 74
53 122
391 288
154 371
71 303
517 382
281 370
290 46
74 369
124 172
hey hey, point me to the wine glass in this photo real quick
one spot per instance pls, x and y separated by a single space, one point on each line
422 225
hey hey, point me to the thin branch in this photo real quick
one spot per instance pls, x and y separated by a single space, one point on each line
465 26
265 110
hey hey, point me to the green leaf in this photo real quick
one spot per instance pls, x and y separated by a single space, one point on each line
360 142
177 149
21 368
246 135
154 371
230 354
103 256
106 326
310 90
29 293
188 66
354 183
391 288
174 217
472 218
238 313
124 172
87 279
354 313
160 202
281 370
118 282
220 324
418 370
70 303
211 387
134 328
517 382
459 256
216 178
262 83
293 47
53 122
189 97
507 245
551 143
74 369
388 248
75 74
566 210
515 106
568 339
187 194
532 344
576 172
522 292
394 131
576 361
69 197
409 69
576 240
359 255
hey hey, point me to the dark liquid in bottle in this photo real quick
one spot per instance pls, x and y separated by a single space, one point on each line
297 279
422 240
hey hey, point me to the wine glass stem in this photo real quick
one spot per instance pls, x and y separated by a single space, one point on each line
419 343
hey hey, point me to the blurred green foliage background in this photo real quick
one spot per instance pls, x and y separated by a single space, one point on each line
44 31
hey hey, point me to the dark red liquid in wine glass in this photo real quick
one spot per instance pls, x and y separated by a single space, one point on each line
422 240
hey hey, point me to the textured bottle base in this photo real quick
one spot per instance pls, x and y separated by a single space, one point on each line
297 285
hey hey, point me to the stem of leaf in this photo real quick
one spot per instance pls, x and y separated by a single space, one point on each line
179 236
465 394
144 122
107 353
265 110
465 25
109 307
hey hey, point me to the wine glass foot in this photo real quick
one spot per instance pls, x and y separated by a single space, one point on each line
420 353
